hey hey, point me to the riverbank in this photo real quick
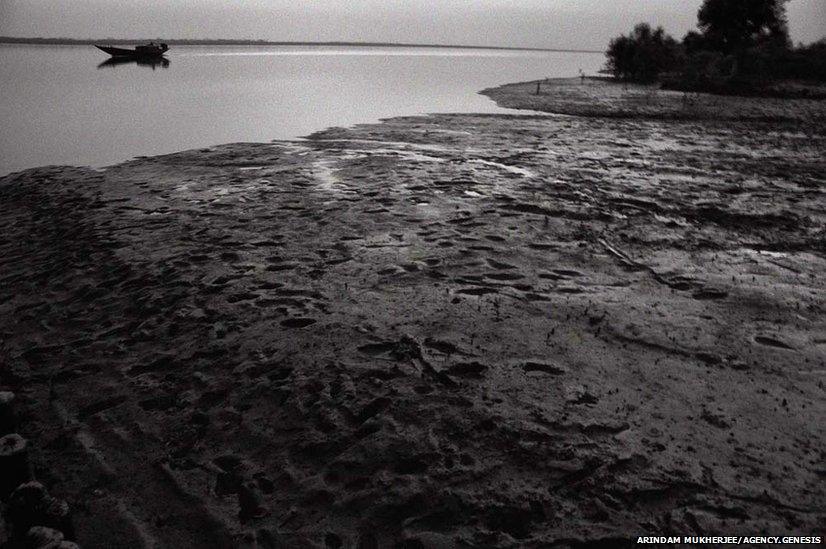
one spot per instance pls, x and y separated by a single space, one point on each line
437 331
603 97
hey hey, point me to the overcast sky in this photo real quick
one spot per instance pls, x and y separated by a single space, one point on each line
586 24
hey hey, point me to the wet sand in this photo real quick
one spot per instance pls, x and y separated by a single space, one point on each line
437 331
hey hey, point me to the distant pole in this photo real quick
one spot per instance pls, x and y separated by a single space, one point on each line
538 85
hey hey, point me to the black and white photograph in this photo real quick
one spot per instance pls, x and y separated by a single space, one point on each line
412 274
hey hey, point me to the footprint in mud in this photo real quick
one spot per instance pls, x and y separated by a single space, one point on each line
222 280
337 261
298 322
373 408
100 406
265 243
279 373
570 290
242 296
772 342
709 293
579 394
467 369
376 349
444 347
680 283
269 303
568 273
413 465
504 276
476 291
717 420
159 403
281 267
543 367
405 349
499 265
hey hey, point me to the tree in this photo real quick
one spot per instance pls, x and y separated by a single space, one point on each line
735 25
642 55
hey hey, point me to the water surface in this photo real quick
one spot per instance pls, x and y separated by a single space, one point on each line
64 105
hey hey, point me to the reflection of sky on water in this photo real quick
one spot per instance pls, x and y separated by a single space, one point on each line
58 108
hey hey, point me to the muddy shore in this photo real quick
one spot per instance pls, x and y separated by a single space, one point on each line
436 331
604 98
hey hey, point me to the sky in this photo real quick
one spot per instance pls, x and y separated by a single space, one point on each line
566 24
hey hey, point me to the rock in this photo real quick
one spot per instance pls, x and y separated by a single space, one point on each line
14 462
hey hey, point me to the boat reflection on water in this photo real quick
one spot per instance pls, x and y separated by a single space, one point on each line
153 62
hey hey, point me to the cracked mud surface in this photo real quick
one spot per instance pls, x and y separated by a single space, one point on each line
454 330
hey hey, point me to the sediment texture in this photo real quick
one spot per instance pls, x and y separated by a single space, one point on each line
455 330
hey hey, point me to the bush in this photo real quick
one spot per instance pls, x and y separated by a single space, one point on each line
806 63
702 71
642 55
760 70
742 47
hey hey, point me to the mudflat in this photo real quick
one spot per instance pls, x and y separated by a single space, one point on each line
437 331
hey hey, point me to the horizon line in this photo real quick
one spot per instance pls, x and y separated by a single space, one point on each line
261 42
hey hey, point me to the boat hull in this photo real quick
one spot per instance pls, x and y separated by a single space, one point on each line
133 53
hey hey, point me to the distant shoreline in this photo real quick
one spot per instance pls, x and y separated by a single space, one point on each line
230 42
607 98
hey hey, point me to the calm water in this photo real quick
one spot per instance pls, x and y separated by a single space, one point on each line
59 106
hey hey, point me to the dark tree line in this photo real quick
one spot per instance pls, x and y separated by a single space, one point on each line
740 46
642 55
729 26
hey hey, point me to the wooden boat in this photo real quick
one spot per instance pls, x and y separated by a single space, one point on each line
148 50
